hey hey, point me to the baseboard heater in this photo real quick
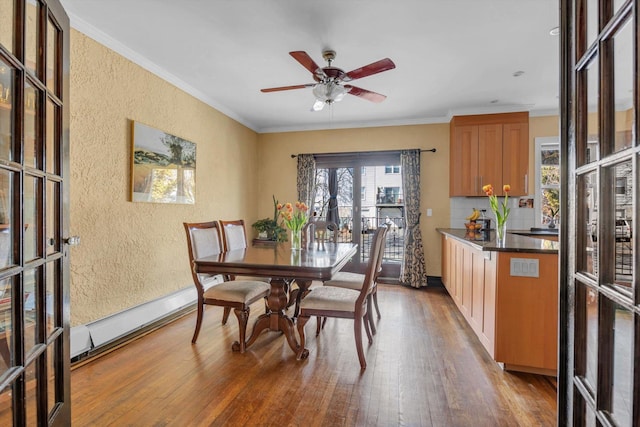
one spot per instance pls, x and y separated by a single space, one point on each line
98 336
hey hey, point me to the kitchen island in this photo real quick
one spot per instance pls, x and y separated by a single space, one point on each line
507 294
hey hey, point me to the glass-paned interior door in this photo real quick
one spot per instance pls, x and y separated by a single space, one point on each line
34 312
600 376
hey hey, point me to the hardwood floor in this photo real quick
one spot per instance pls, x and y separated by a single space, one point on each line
425 368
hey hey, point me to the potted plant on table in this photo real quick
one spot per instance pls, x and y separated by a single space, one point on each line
269 229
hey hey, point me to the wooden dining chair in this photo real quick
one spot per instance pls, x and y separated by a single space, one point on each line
344 303
344 279
234 237
203 239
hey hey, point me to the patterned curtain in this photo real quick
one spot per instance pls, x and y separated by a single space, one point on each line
306 179
412 271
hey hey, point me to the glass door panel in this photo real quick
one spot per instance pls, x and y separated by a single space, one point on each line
623 89
7 92
7 11
32 35
368 195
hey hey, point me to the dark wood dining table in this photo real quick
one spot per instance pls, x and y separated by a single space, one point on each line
283 265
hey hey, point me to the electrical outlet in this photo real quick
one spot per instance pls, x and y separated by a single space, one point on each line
525 267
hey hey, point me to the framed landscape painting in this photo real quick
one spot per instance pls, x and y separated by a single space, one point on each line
163 167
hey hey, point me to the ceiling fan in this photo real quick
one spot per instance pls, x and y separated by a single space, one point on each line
329 86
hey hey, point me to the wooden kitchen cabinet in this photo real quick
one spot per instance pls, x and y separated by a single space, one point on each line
514 317
489 149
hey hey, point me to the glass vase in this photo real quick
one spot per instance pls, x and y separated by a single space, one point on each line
296 240
501 233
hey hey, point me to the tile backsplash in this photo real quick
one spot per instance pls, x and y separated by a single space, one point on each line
519 218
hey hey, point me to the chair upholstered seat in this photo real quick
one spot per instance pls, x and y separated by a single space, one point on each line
345 303
241 291
331 299
344 279
203 240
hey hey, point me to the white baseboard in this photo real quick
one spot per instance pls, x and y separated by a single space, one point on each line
87 338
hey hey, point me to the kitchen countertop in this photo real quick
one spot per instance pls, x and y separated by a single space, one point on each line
516 241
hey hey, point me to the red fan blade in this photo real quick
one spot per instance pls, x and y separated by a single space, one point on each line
373 68
366 94
276 89
305 60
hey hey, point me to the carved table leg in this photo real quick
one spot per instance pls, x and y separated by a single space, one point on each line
276 319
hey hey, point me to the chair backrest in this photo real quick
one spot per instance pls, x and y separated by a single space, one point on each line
326 231
308 234
233 234
203 239
375 260
378 269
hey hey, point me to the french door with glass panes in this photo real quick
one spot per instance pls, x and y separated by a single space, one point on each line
359 192
34 173
599 380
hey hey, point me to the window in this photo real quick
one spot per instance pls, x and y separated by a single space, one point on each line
547 197
621 185
392 169
363 193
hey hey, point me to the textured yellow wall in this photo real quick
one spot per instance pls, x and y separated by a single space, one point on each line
134 252
278 170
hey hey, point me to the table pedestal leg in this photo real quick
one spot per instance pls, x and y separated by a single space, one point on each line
276 319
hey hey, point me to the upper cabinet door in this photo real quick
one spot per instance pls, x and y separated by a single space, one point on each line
515 157
464 161
489 149
490 158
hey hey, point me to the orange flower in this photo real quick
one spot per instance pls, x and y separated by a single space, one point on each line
294 220
506 188
279 206
487 188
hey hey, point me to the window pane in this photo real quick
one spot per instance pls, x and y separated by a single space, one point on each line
588 201
593 138
623 224
550 205
50 289
6 411
6 24
31 35
52 57
53 206
623 91
30 125
6 326
30 216
592 338
31 404
30 307
52 375
622 365
6 232
6 109
52 137
592 21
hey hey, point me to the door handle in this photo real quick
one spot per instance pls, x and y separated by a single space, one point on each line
71 241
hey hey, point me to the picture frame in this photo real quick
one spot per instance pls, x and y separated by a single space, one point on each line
163 166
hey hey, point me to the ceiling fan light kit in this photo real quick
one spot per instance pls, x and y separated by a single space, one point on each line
329 86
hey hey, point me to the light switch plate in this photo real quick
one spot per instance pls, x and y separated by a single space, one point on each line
525 267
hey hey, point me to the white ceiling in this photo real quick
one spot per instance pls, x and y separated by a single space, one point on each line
452 56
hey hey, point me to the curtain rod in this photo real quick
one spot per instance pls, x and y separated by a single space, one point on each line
431 150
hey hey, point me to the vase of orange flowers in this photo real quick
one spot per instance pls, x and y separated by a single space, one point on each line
500 210
294 218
